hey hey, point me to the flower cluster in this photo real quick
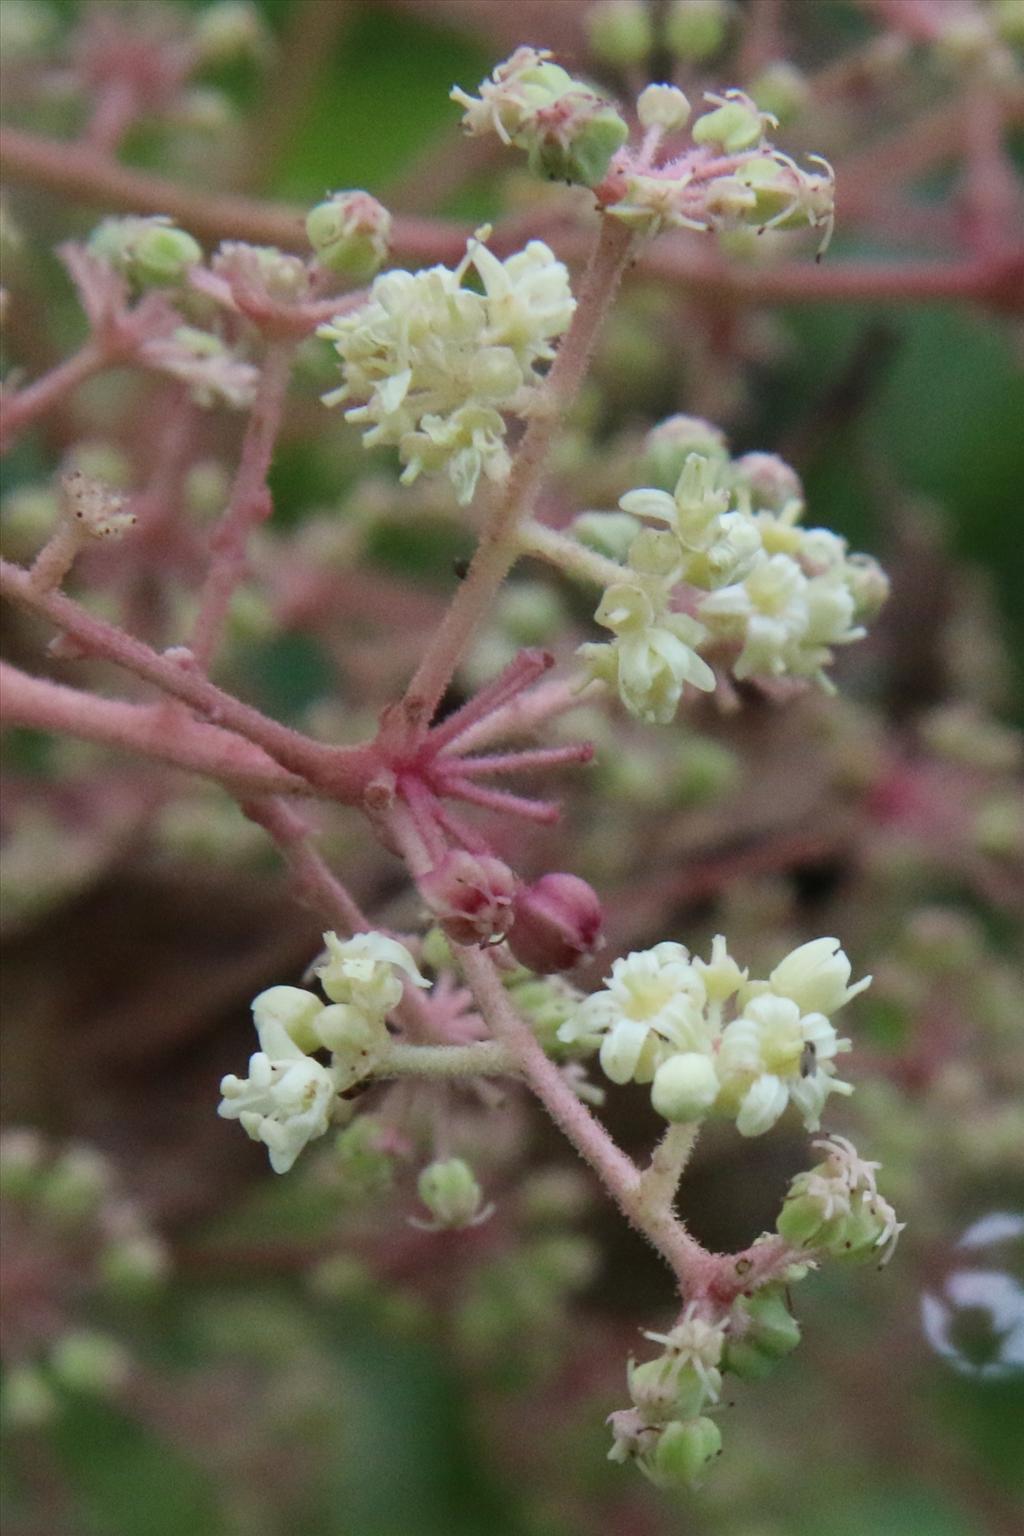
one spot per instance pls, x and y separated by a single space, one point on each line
660 1019
435 364
666 1431
289 1097
836 1207
569 131
777 595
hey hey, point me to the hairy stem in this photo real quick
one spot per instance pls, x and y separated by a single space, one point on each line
692 1264
660 1180
26 405
572 558
43 705
482 1058
248 505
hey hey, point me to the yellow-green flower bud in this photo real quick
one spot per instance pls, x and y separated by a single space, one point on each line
28 1400
93 1363
664 107
668 446
229 31
152 252
350 233
607 533
451 1193
696 29
74 1187
780 89
762 1332
133 1267
619 32
683 1451
685 1087
734 126
578 146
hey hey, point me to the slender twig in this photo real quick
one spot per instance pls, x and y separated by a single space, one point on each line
18 410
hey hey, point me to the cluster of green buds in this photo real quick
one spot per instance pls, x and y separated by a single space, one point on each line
835 1208
667 1432
150 252
568 130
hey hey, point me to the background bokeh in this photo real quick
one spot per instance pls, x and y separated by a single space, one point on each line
309 1365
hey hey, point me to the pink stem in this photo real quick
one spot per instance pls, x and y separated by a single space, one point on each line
498 548
340 773
315 884
522 715
499 800
248 506
523 762
462 832
47 706
692 1264
522 670
22 408
422 807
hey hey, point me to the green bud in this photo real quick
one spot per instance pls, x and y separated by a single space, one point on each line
765 1331
151 252
566 1262
451 1193
607 533
89 1362
28 1400
683 1451
696 29
580 149
75 1186
350 233
546 1003
101 461
27 516
733 127
366 1169
668 446
703 770
230 31
207 487
22 1161
133 1267
436 951
780 89
530 612
553 1195
619 32
1008 20
802 1223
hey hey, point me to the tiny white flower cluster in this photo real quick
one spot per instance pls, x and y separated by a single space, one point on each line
289 1096
660 1019
779 595
435 364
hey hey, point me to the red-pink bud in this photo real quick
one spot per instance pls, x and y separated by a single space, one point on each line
471 896
557 920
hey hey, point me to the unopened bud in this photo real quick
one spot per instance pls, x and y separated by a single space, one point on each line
22 1161
90 1362
762 1331
229 31
75 1186
28 1401
471 895
780 89
685 1087
734 126
683 1451
771 482
350 233
451 1193
575 138
151 251
696 29
557 921
607 533
664 107
134 1266
668 446
619 32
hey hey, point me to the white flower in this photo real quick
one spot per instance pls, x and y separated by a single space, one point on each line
285 1017
653 656
817 977
435 365
773 1055
651 1008
284 1103
361 971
